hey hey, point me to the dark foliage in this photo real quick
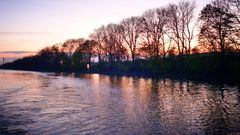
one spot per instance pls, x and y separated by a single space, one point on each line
157 43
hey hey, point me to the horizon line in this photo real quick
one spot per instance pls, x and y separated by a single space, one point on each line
16 52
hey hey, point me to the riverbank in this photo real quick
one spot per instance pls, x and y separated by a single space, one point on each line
194 67
223 79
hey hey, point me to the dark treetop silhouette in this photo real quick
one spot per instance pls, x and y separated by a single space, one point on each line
160 42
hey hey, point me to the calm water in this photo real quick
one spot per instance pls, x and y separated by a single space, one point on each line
45 103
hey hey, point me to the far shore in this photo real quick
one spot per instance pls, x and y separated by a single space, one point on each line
214 79
202 67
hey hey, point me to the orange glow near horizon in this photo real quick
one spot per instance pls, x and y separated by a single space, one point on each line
29 42
14 55
32 25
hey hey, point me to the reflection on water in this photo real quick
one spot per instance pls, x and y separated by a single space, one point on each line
39 103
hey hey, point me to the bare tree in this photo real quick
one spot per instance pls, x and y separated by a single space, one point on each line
153 31
181 24
110 42
146 38
70 45
187 31
156 41
233 6
174 26
216 28
115 32
51 55
98 48
131 30
86 50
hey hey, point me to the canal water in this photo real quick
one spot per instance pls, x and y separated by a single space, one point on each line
35 103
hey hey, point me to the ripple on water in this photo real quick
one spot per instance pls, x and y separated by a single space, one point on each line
38 103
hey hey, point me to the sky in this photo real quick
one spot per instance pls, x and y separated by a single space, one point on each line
26 26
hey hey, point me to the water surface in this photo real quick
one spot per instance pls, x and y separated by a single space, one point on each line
35 103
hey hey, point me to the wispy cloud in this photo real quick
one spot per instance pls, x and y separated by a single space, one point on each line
25 33
16 52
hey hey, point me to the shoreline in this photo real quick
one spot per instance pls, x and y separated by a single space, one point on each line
215 79
203 68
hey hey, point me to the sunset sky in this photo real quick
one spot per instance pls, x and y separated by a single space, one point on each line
26 26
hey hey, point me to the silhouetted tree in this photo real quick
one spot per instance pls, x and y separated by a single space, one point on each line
98 47
111 42
69 46
181 24
83 54
216 28
158 33
233 6
86 49
50 57
131 30
154 35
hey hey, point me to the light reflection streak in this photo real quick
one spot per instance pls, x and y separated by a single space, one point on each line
94 103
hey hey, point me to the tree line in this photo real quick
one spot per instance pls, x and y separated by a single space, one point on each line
158 33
